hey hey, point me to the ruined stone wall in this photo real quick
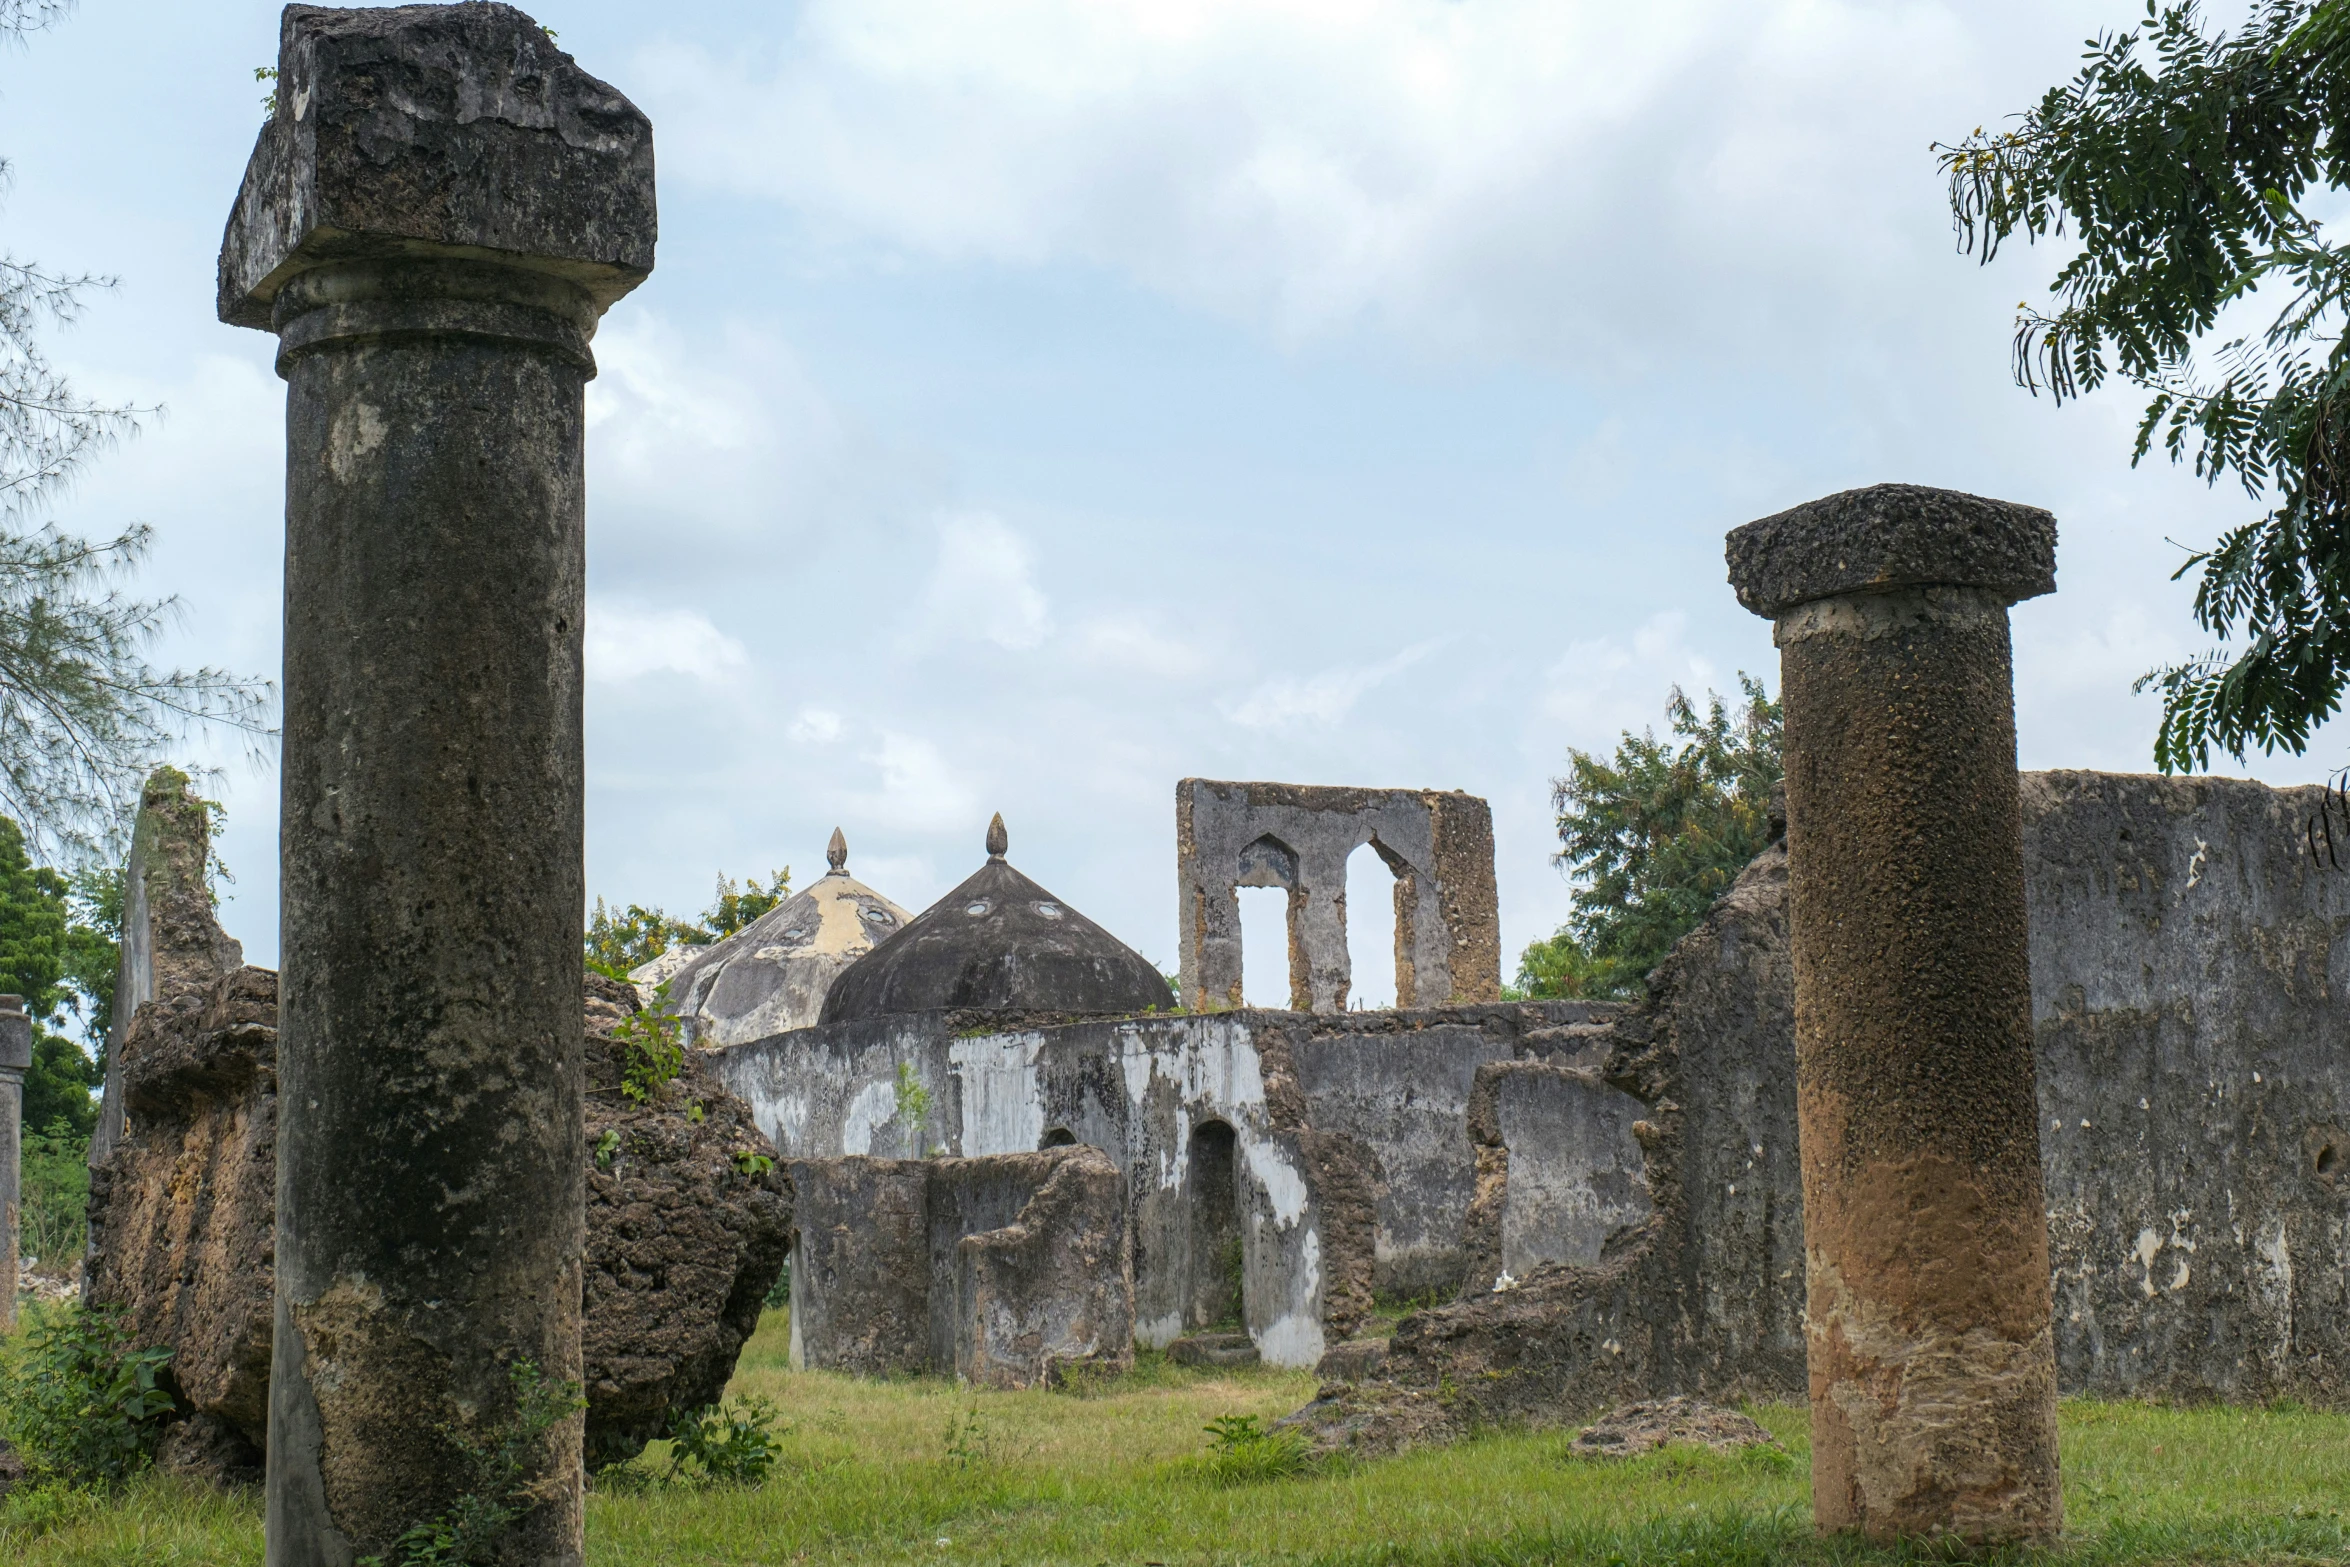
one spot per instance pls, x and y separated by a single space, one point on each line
1005 1270
2191 1001
1351 1160
2189 961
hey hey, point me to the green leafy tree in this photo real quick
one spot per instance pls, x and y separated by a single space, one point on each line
1654 835
39 943
2191 168
732 908
82 712
620 940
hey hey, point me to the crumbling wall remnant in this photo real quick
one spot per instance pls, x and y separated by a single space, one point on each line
1438 844
1007 1270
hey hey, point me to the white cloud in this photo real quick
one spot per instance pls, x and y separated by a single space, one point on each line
1132 642
815 726
920 790
1602 686
1289 701
983 585
1558 170
628 642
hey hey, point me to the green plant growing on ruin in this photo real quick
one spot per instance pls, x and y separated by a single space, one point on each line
651 1046
731 1443
79 1401
750 1163
1654 835
1243 1450
914 1109
500 1461
607 1148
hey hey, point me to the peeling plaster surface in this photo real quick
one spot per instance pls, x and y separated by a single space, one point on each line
1138 1089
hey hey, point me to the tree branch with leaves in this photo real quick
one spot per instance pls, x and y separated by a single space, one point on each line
2183 164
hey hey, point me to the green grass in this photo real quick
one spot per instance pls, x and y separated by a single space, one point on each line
885 1472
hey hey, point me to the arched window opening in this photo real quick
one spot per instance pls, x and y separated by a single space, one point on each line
1216 1271
1264 946
1370 930
1058 1137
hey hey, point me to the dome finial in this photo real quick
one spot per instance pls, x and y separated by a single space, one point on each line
997 839
836 853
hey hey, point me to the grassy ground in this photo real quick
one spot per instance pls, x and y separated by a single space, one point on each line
923 1472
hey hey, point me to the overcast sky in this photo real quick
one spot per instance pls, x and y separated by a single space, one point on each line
1039 401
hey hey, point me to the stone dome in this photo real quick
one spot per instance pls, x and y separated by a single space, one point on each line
772 975
1000 943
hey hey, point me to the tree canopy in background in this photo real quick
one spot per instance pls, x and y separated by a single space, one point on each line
620 940
46 954
1653 836
82 712
2184 164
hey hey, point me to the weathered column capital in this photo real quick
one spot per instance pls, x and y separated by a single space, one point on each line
1891 539
458 136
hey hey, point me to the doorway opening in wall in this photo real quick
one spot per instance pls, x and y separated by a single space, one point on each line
1215 1271
1370 930
1264 946
1058 1137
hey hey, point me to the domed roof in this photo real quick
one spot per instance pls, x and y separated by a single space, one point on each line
999 942
772 975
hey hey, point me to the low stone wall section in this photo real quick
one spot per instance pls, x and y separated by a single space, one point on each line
1005 1270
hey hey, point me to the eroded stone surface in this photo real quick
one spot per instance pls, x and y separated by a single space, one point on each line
688 1225
1669 1422
1892 536
1007 1270
683 1241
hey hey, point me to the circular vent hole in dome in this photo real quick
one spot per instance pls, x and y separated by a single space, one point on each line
1051 911
978 908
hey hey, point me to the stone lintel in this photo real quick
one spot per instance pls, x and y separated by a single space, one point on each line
1889 537
438 131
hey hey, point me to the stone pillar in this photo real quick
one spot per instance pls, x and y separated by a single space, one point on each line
16 1058
432 223
1933 1377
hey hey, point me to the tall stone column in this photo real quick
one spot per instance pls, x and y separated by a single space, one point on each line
1933 1375
433 221
16 1058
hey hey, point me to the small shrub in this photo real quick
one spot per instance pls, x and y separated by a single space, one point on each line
969 1442
1242 1451
79 1403
607 1148
733 1443
913 1109
750 1162
467 1535
652 1052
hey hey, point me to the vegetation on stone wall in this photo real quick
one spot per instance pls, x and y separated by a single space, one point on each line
618 940
1653 836
2186 168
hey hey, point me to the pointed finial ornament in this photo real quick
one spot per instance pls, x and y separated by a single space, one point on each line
997 839
836 853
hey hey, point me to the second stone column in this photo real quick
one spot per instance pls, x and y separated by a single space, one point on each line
1933 1376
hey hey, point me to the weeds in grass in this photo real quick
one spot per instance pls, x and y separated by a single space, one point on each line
970 1441
734 1443
1242 1450
468 1533
30 1511
79 1402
